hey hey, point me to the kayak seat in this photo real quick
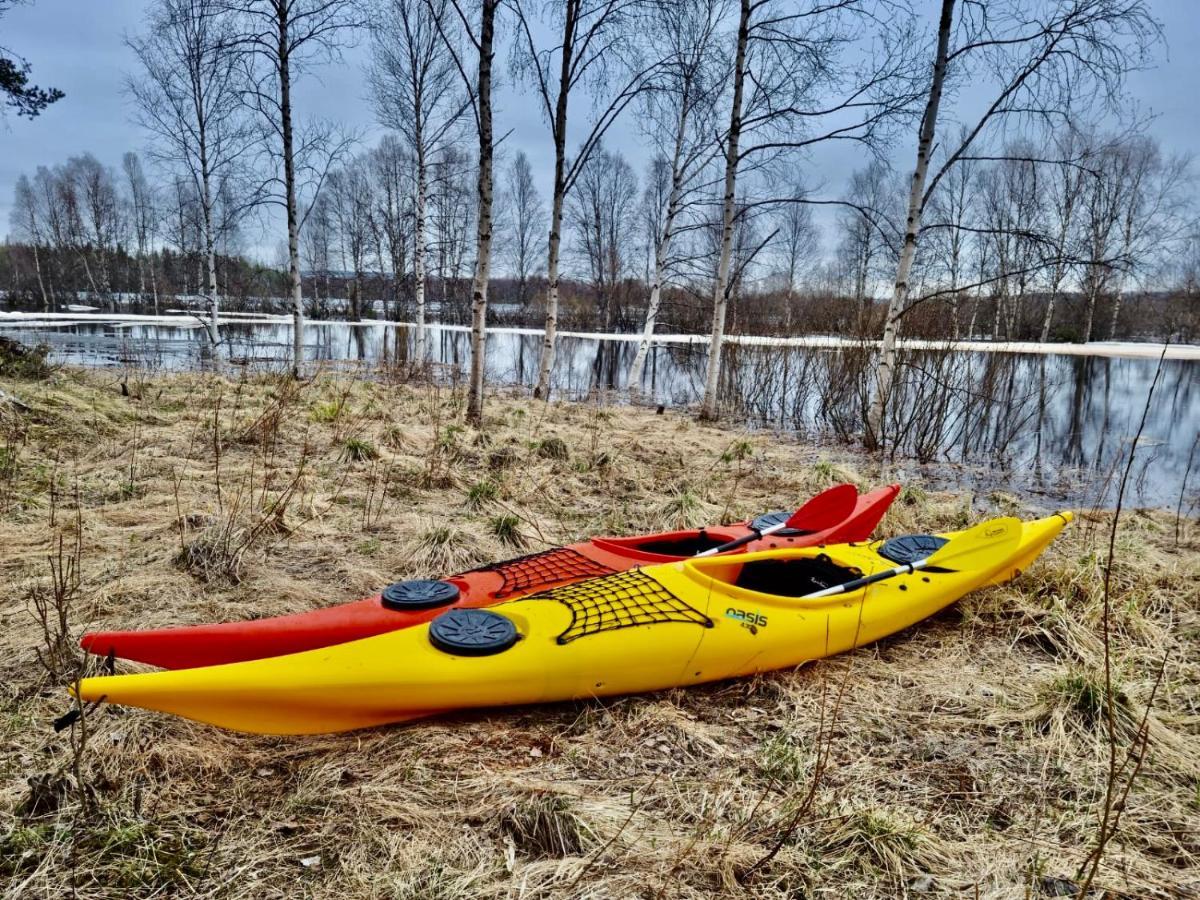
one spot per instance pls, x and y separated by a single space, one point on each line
793 577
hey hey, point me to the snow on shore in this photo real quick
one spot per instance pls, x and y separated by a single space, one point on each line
1125 349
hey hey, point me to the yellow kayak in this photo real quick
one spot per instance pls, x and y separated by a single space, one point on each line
646 629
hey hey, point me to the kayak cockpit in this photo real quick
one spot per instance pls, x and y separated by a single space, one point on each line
794 577
667 546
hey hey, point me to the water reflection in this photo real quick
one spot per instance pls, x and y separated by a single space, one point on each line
1058 425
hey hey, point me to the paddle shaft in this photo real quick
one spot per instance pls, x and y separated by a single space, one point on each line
868 579
754 535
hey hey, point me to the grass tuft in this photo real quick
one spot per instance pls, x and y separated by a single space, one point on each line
507 529
443 550
545 827
356 449
481 493
553 447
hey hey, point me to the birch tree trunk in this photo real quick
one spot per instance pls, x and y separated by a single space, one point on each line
37 268
661 250
709 405
483 244
419 249
210 249
541 390
885 370
293 215
1131 211
1059 264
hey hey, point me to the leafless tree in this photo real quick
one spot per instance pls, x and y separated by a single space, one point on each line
28 220
316 243
1013 232
1041 63
594 46
953 228
793 88
452 204
88 214
188 96
602 214
1155 219
868 231
351 204
277 40
142 215
181 220
1063 181
394 216
799 248
480 36
679 113
417 92
527 223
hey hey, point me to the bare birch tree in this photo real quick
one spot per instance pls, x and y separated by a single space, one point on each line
792 89
143 221
595 47
350 199
481 38
416 92
395 217
527 223
953 208
278 40
29 223
188 96
678 112
799 246
1040 63
868 232
602 214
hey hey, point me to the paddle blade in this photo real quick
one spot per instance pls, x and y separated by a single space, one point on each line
985 546
827 509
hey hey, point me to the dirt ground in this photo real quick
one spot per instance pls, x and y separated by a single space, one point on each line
967 756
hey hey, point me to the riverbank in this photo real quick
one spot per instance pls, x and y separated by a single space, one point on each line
183 319
966 754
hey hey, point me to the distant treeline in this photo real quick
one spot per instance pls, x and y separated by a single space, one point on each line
167 279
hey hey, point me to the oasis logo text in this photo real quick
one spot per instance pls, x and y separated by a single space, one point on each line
746 618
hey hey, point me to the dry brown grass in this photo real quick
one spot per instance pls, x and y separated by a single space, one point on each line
967 758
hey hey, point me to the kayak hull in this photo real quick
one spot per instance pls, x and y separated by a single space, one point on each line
668 625
228 642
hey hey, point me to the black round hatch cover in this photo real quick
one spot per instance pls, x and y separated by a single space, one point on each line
909 548
420 593
766 520
472 632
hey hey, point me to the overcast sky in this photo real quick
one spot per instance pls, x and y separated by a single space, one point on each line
77 46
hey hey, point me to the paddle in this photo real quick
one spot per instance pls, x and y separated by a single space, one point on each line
823 511
985 546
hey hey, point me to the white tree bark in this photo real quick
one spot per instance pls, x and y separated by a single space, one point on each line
710 405
293 215
662 248
483 242
885 370
541 390
419 250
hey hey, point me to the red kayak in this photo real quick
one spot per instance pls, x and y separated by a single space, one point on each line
838 515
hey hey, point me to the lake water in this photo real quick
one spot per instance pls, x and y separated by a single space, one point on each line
1054 426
